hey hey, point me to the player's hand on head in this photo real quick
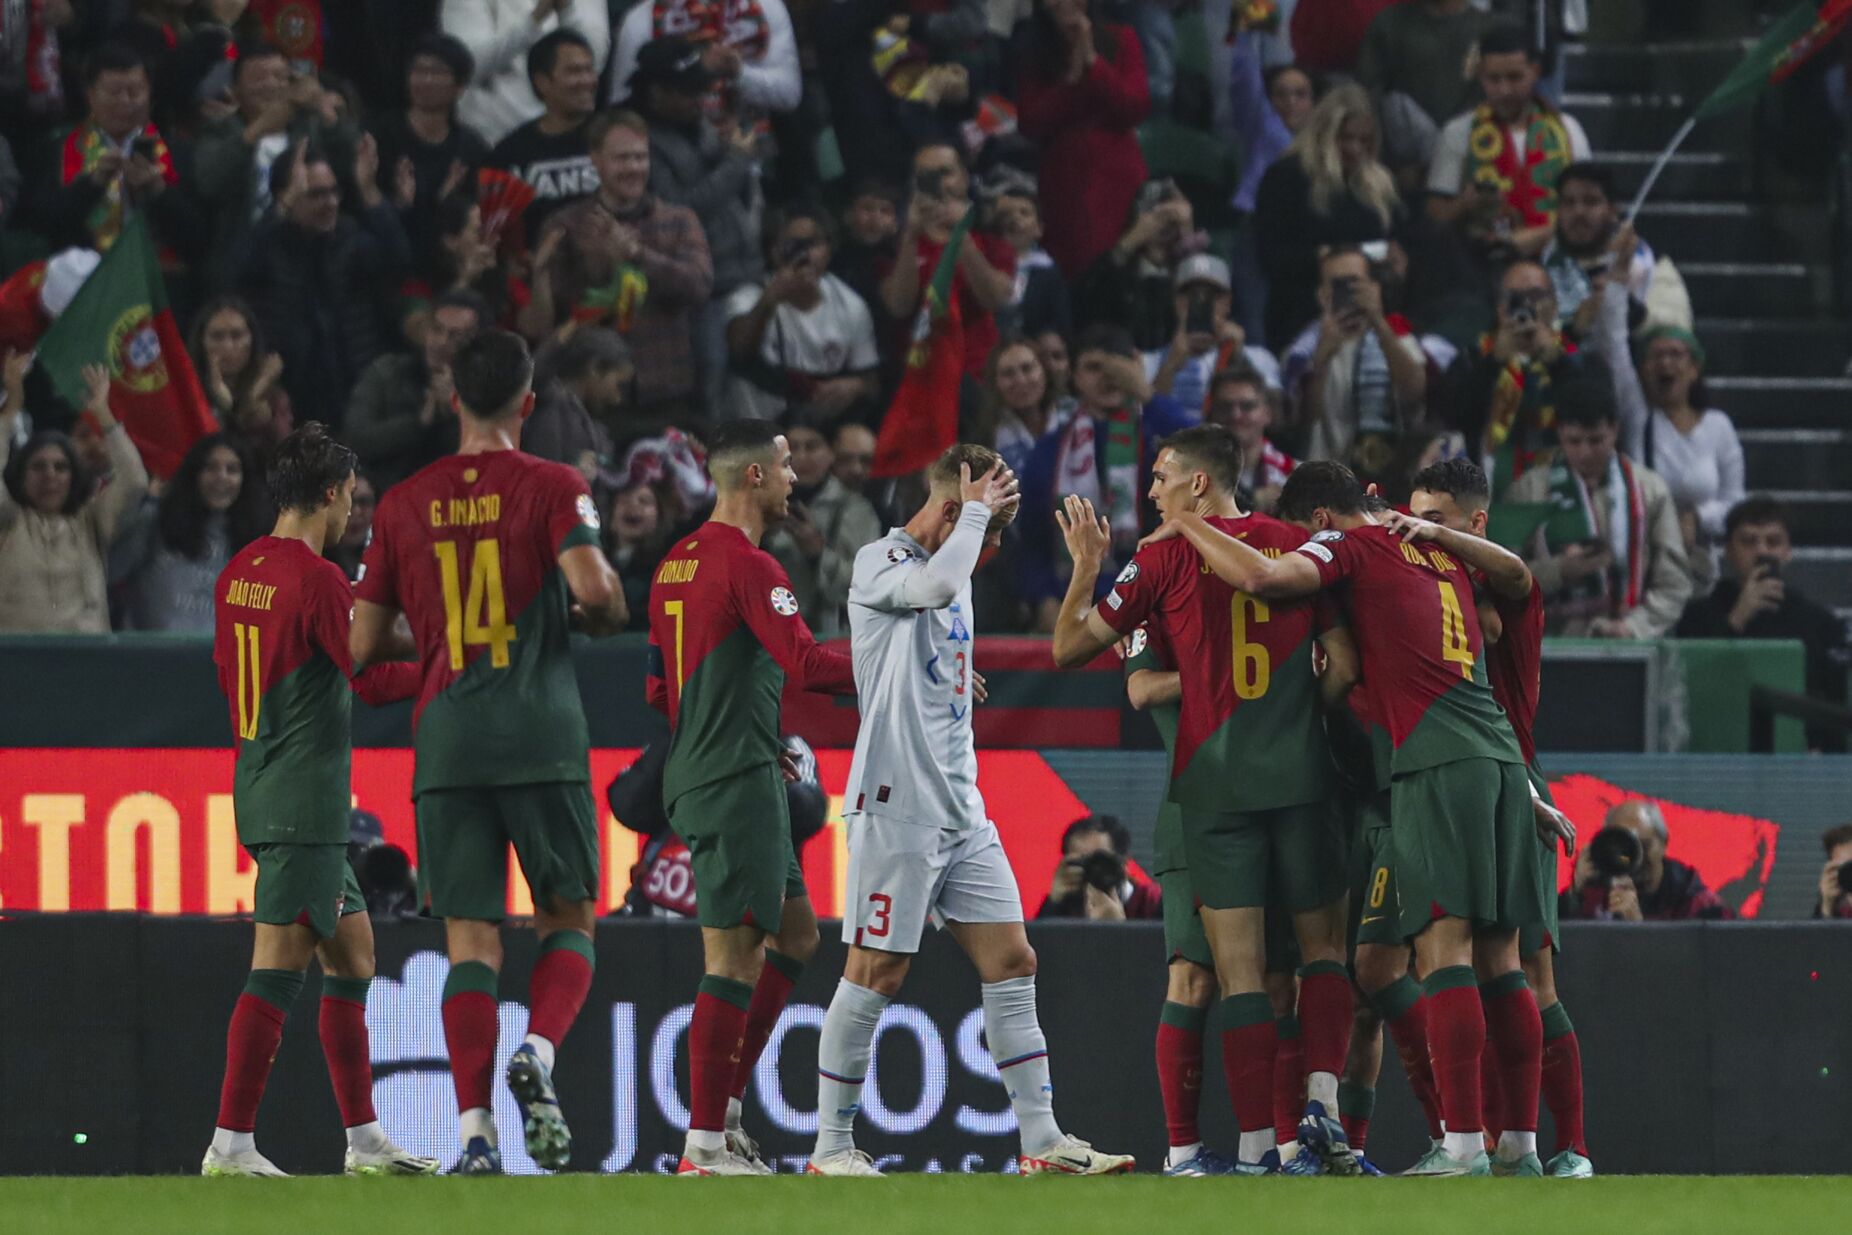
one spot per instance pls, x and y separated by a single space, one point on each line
996 489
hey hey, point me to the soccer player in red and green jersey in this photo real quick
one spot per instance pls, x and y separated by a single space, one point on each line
1460 807
280 642
492 555
1250 769
724 635
1454 497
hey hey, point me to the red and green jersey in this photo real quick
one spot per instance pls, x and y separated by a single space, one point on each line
1145 648
1249 736
280 643
1515 664
724 632
1382 750
1419 642
469 549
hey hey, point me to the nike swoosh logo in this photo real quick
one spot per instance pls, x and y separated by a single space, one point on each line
1379 917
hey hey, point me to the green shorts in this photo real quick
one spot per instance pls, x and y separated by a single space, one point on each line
738 833
1465 846
1374 917
463 839
1237 857
1545 934
310 884
1183 925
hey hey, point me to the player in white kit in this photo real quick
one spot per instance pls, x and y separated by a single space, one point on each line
920 843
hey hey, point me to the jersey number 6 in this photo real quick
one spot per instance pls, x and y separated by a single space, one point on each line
1252 670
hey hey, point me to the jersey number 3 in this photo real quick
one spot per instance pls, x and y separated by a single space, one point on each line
481 616
1253 668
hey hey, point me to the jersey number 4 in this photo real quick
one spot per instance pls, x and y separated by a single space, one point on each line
481 617
1454 648
1252 670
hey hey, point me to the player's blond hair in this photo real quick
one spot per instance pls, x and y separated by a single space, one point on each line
944 477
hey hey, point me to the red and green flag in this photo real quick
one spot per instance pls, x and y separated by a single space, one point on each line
922 422
120 318
1789 43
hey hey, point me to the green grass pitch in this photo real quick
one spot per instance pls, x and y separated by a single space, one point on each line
930 1205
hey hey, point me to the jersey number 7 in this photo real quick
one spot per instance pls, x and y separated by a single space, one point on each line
482 616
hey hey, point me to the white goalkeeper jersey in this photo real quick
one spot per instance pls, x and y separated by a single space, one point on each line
911 630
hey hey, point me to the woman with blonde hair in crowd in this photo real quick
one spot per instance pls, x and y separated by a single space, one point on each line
1330 188
1019 402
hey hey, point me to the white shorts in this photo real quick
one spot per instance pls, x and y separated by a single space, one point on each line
901 873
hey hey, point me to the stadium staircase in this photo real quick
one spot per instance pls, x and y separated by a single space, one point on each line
1757 253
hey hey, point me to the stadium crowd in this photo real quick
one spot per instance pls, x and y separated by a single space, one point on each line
1366 234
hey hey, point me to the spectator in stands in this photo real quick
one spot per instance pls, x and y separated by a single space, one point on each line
636 536
1055 359
157 32
1038 299
55 525
1495 168
986 265
508 39
1329 189
1356 379
817 543
1205 340
1241 402
168 555
1017 407
1835 901
1328 35
426 146
452 254
1611 560
1752 601
318 278
1082 93
548 153
1094 880
241 376
402 414
1417 63
852 445
1266 111
351 548
748 48
870 232
710 171
629 260
581 383
32 70
803 337
1663 889
1133 286
234 156
1591 242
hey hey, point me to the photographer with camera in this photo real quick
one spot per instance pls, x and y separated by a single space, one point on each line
1624 875
1753 601
1093 879
1836 876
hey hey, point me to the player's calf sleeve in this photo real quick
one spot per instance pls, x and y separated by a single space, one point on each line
1456 1040
716 1037
1021 1054
1324 1021
1249 1040
1405 1016
343 1028
1180 1069
1356 1103
843 1049
780 974
562 978
1288 1078
251 1044
469 1032
1562 1078
1515 1031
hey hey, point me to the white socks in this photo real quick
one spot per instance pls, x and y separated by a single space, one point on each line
736 1110
843 1050
1514 1145
477 1121
1255 1145
1021 1052
1179 1154
542 1048
228 1142
367 1138
706 1141
1323 1087
1464 1145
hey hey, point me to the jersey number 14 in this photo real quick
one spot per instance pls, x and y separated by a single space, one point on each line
481 616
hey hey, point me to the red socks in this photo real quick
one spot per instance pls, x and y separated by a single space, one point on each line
1491 1091
768 1001
1405 1016
1456 1040
557 990
1180 1069
1324 1016
1288 1079
470 1027
251 1044
343 1026
716 1045
1562 1079
1248 1042
1515 1030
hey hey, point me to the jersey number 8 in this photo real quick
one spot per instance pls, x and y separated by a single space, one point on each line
482 616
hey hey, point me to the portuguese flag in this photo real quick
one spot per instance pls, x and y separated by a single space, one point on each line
1789 43
120 318
922 422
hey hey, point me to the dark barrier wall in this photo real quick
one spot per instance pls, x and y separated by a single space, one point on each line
1707 1049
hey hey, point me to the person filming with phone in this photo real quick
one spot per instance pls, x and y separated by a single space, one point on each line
1093 879
1754 601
